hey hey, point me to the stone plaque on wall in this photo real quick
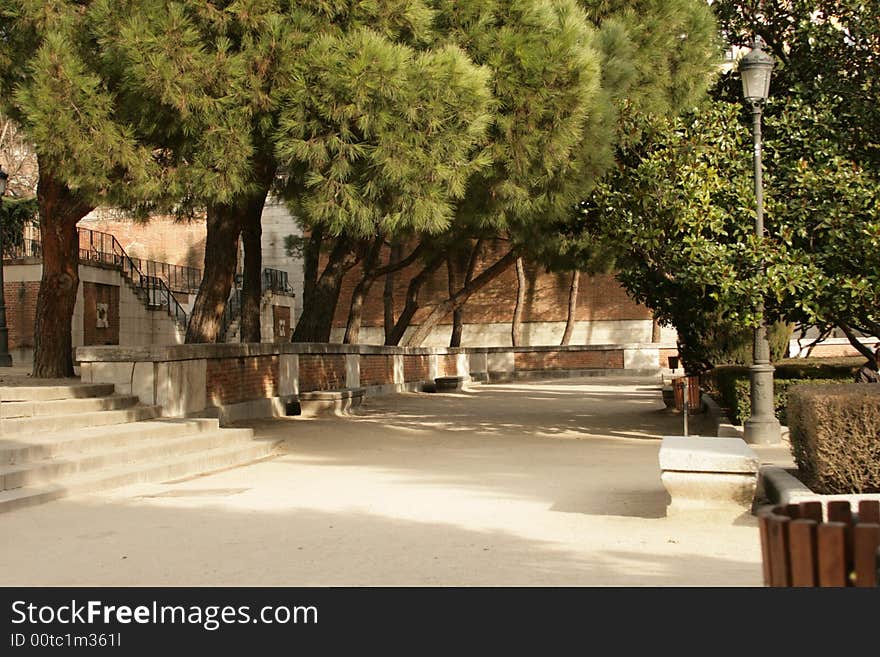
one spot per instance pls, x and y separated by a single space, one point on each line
100 314
281 321
103 315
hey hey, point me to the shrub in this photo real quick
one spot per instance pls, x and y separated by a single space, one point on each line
835 436
729 384
741 408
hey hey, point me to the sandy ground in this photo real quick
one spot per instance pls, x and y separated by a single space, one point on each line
553 483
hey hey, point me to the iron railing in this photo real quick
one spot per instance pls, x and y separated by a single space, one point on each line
95 246
104 248
28 248
177 277
276 280
153 279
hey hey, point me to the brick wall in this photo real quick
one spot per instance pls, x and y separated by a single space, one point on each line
21 309
163 239
108 295
665 355
447 365
565 360
599 297
416 368
234 380
321 372
376 370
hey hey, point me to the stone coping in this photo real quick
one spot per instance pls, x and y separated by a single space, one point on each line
782 487
700 454
111 354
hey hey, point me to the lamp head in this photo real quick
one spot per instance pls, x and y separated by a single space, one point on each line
755 69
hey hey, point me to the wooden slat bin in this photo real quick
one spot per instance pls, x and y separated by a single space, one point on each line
691 384
800 547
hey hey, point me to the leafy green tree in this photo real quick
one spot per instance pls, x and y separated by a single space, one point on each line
678 210
563 75
379 139
51 86
204 76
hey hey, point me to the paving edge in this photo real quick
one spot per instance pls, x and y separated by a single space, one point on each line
781 487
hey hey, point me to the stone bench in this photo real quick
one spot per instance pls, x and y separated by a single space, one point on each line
450 383
329 402
708 474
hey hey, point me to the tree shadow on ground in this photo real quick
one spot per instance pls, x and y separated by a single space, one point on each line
218 538
588 454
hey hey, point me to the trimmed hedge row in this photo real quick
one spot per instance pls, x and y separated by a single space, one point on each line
741 404
835 436
730 383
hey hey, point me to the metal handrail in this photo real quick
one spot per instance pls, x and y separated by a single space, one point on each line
276 280
178 277
104 248
27 249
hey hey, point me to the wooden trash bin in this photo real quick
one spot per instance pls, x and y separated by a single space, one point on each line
801 548
691 384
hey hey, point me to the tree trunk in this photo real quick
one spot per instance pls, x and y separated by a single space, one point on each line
572 308
655 329
221 256
251 235
856 343
458 313
60 210
316 321
355 310
412 300
311 259
516 324
252 280
446 306
388 292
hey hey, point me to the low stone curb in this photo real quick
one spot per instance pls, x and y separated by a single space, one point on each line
781 487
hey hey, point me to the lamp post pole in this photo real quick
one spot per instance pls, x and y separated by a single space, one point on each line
5 356
762 427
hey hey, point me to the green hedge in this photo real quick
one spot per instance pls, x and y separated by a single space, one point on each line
740 404
835 437
729 384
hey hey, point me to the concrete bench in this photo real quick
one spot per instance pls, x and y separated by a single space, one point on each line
708 474
329 402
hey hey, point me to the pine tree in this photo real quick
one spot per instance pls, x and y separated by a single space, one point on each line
204 73
563 74
50 85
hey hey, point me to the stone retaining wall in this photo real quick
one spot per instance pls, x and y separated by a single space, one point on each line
259 379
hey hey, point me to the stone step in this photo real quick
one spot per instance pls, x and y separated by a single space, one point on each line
167 469
88 439
29 426
49 393
58 470
21 409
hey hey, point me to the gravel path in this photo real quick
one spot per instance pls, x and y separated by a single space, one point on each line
553 483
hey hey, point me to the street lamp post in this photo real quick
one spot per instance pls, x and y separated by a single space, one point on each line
762 427
5 356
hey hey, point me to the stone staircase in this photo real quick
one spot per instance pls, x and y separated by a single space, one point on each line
65 440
